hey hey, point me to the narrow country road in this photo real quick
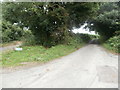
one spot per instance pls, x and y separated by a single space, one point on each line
88 67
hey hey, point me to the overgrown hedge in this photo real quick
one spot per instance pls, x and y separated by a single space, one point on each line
72 39
80 38
113 43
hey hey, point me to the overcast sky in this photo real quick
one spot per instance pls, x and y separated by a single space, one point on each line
83 30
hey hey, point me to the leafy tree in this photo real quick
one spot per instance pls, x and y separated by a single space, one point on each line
80 12
107 22
49 22
46 20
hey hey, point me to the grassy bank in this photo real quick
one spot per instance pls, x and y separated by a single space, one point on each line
109 48
37 54
113 44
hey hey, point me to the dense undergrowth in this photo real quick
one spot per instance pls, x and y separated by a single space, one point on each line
12 32
113 44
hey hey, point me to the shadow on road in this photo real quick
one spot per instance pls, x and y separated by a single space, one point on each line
94 41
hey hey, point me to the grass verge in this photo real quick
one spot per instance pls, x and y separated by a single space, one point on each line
37 54
109 48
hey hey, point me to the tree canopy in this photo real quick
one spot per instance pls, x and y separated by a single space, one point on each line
107 21
50 22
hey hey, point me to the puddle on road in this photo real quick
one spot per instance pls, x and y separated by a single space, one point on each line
107 74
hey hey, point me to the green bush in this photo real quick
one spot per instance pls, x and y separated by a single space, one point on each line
114 43
11 32
28 38
84 37
74 41
77 39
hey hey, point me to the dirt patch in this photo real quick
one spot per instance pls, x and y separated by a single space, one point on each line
12 43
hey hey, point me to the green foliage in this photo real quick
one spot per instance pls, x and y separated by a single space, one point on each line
76 39
80 12
49 22
113 43
107 22
28 38
85 37
11 32
46 20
